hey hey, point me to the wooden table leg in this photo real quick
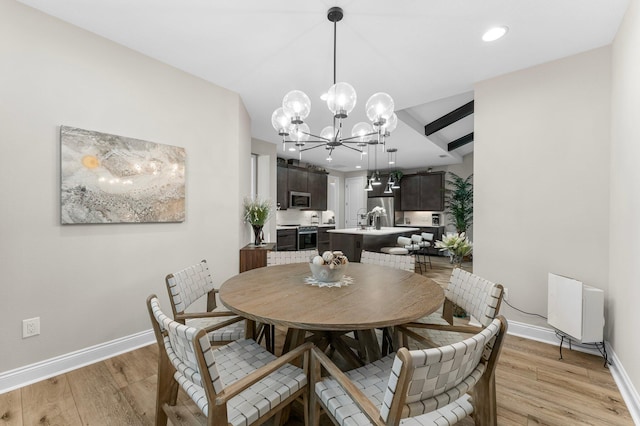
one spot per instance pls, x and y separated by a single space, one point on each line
370 343
250 329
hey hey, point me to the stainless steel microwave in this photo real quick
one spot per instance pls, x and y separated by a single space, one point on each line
299 200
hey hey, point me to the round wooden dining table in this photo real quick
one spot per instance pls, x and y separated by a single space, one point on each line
377 297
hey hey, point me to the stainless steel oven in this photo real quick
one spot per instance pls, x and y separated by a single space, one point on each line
307 237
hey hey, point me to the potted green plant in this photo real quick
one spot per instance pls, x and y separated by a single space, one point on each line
257 212
459 201
458 246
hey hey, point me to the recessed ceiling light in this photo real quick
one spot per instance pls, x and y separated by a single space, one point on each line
494 33
324 96
358 166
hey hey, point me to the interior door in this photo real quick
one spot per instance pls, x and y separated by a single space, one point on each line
354 200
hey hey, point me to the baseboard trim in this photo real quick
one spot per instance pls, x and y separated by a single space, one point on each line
548 335
23 376
628 391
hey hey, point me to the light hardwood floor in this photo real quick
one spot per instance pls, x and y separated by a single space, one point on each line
534 387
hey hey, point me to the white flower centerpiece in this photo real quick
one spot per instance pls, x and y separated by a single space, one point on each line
458 246
376 213
330 267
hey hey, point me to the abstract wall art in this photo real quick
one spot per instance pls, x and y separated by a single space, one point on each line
114 179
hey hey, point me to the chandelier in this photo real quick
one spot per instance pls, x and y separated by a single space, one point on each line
288 120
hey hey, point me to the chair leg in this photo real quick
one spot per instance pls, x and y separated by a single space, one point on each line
167 387
485 409
314 405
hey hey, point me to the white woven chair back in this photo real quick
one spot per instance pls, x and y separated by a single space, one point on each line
427 236
440 375
478 296
188 285
179 344
406 263
287 257
416 239
403 241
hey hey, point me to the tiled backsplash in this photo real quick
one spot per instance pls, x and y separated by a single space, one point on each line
302 217
418 218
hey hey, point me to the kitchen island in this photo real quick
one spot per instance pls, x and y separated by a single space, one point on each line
353 240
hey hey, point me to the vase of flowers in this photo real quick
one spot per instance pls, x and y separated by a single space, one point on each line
376 213
458 246
257 212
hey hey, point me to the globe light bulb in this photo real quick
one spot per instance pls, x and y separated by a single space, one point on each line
360 130
341 99
297 105
328 133
281 122
390 124
379 108
300 133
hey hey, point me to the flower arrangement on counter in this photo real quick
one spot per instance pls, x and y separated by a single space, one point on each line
377 211
257 212
458 246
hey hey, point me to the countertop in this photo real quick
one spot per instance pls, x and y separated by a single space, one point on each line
383 231
322 225
421 225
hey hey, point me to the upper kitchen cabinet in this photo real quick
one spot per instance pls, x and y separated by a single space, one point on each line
422 192
282 194
298 179
317 187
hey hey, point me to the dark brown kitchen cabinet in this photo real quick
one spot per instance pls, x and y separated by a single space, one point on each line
422 192
282 196
287 239
297 180
317 187
410 189
324 240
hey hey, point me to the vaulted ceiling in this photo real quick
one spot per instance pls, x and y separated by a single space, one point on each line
426 54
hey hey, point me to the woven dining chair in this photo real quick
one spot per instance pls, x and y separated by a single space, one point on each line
413 387
406 263
287 257
282 258
190 284
479 297
239 384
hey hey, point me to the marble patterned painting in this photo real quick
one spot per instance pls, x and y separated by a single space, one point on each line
114 179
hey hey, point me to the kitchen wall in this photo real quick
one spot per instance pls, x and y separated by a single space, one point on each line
541 204
88 283
267 151
624 210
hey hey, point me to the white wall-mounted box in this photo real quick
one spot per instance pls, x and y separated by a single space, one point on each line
575 309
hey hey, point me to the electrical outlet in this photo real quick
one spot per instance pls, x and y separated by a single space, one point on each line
30 327
506 294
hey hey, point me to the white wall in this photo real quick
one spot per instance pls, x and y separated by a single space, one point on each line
541 178
88 283
267 151
624 226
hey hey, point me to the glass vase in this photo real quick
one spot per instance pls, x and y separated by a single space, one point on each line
258 235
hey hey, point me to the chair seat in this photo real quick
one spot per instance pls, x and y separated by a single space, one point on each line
447 415
237 360
371 379
233 331
395 250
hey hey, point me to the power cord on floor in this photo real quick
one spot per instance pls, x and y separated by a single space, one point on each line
524 312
